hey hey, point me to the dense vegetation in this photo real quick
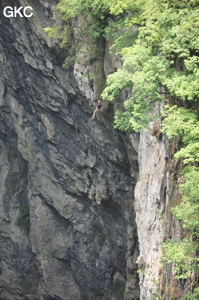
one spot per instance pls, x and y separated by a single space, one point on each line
159 41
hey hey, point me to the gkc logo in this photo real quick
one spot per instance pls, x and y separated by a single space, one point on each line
13 12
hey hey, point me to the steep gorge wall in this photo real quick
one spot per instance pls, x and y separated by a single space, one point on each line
156 192
78 238
150 199
76 176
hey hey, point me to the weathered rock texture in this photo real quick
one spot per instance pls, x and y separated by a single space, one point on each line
155 193
150 199
67 228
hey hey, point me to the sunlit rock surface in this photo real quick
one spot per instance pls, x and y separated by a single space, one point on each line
150 199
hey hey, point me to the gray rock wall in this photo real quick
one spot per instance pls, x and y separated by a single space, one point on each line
156 192
150 198
67 221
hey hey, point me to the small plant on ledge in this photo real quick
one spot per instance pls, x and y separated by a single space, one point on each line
24 219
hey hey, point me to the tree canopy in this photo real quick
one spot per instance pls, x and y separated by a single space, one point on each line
162 63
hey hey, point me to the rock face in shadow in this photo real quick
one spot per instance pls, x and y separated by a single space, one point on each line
67 228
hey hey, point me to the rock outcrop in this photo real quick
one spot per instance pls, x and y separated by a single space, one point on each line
150 200
156 192
67 221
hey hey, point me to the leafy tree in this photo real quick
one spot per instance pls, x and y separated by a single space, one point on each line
183 122
181 256
163 61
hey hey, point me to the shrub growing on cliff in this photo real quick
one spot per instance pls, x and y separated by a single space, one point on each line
182 257
192 295
183 122
24 219
101 19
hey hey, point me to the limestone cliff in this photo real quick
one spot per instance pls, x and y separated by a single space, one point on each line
150 195
156 192
67 221
67 183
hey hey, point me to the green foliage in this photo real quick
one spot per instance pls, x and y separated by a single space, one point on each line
12 134
99 9
120 289
104 297
157 291
102 18
164 58
101 239
93 11
24 219
25 285
117 290
24 210
182 122
117 81
68 62
188 209
23 222
159 43
192 295
34 296
185 123
162 61
177 4
63 33
182 256
141 272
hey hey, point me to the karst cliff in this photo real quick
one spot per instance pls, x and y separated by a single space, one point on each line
83 206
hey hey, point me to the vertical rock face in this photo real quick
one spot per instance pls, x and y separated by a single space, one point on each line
150 198
155 193
67 228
